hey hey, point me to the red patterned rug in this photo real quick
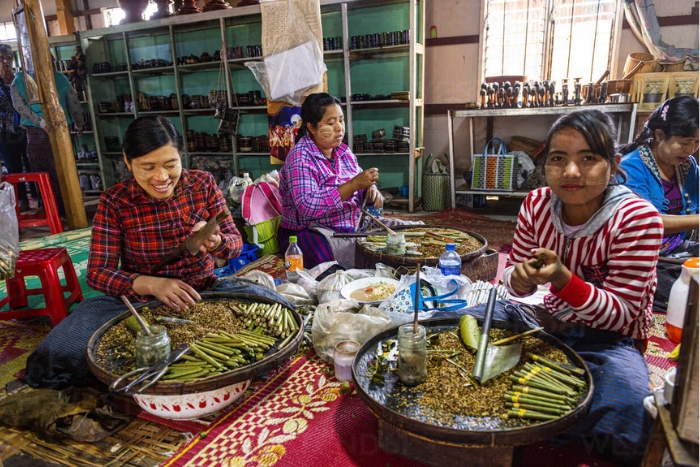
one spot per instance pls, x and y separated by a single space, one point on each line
299 418
497 233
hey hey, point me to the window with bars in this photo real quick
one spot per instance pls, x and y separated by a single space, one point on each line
549 39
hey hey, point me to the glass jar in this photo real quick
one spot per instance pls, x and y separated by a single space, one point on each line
413 367
395 244
343 356
151 349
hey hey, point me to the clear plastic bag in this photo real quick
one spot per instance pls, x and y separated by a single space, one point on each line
329 288
295 294
9 232
294 65
341 320
261 278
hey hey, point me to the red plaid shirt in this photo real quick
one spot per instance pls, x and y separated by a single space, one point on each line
139 231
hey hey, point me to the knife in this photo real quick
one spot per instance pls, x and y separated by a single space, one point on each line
193 242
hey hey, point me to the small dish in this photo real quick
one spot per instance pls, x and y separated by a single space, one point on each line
360 284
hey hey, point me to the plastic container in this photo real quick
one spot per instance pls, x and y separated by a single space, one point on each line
678 300
343 355
413 368
450 263
293 259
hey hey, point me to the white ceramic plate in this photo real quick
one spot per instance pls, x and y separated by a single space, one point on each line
348 289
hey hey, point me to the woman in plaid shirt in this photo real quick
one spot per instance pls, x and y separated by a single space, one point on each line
138 222
321 182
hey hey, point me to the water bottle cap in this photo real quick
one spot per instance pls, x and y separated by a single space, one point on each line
692 263
293 238
450 247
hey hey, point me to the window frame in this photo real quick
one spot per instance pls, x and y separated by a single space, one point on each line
614 47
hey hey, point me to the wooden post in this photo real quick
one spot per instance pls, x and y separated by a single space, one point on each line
64 12
56 124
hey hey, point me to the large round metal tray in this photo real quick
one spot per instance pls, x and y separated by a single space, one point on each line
370 256
274 357
403 412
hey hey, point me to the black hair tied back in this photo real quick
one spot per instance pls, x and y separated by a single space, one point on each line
146 134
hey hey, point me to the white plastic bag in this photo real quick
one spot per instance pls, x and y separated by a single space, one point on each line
295 65
9 232
261 278
342 320
295 294
329 288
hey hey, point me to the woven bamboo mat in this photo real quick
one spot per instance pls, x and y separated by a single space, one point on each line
140 444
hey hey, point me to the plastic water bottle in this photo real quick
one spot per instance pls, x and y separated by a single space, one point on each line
293 259
678 300
450 263
246 179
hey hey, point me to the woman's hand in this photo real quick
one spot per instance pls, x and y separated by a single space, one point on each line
211 243
366 178
374 196
172 292
531 273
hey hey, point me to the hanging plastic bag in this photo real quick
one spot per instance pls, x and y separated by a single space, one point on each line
295 64
9 232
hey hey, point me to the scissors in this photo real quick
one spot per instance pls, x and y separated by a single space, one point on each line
152 373
522 313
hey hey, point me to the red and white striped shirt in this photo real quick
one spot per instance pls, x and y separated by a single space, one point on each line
614 269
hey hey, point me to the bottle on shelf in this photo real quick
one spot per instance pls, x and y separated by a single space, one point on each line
678 300
450 263
293 259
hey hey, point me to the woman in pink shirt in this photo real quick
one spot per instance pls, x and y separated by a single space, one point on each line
321 182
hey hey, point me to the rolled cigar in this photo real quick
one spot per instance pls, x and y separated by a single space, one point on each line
547 410
555 366
547 400
538 392
541 379
553 374
530 415
538 385
535 372
526 400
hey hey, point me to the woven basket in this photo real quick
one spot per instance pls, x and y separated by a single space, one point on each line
366 258
650 64
436 192
273 357
267 235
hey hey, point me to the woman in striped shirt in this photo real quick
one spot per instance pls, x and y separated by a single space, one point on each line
599 244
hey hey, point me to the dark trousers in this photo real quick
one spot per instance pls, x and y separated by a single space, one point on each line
41 159
13 150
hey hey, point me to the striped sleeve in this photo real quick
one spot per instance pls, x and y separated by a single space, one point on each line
631 241
524 239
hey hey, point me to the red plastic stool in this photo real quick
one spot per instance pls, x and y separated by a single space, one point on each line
43 263
50 216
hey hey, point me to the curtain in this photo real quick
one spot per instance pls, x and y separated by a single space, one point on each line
641 16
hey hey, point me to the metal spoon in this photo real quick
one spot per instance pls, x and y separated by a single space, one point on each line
136 315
